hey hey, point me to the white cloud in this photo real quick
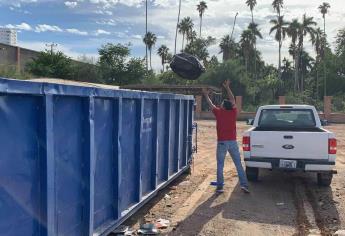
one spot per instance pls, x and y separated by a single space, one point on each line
76 31
22 26
102 12
71 4
100 31
45 27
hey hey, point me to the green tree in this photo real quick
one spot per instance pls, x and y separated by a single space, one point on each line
150 40
340 43
163 52
117 67
201 8
199 48
185 28
85 69
52 65
280 27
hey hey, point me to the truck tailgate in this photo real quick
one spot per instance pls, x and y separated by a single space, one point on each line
290 145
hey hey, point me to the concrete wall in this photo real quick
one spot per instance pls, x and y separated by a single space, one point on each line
15 56
327 114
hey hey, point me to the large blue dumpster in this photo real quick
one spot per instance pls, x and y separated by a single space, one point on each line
78 160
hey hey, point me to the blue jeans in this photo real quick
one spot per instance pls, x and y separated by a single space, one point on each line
232 148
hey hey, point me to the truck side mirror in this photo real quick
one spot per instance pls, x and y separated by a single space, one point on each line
324 122
250 121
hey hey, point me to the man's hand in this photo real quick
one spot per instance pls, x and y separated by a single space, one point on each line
226 83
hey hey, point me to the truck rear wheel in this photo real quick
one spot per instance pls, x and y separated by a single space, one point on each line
252 173
324 179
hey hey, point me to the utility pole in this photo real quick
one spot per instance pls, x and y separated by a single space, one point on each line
178 21
233 27
51 46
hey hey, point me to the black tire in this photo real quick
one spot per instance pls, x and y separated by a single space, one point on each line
324 179
252 173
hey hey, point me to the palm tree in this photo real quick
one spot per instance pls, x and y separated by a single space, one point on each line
253 27
280 26
324 10
293 31
150 40
185 27
246 45
306 64
277 6
306 28
317 41
191 36
225 47
163 52
201 7
251 4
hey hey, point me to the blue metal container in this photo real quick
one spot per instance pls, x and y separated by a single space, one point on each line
78 160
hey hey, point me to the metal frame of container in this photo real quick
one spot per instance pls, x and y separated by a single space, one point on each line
80 160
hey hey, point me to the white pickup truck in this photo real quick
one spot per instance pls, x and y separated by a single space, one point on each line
289 137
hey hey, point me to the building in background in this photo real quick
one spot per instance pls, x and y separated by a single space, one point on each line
8 36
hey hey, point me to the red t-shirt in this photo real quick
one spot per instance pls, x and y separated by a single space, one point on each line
226 123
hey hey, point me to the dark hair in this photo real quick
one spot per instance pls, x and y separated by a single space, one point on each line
227 105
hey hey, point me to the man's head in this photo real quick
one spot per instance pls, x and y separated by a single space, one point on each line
227 105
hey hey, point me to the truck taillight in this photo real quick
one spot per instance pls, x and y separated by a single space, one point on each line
332 146
246 143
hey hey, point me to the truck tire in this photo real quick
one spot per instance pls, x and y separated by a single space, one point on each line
252 173
324 179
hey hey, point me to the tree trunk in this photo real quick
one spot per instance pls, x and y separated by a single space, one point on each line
254 48
200 26
324 65
163 64
279 63
182 42
296 73
147 65
150 59
317 80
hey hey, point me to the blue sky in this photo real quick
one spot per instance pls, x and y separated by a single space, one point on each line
80 27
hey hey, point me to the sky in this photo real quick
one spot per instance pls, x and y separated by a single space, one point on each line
81 27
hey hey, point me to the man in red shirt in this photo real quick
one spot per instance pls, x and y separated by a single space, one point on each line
226 116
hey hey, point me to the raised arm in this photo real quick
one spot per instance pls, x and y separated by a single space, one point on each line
206 94
231 97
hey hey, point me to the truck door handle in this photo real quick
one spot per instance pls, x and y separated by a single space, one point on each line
288 137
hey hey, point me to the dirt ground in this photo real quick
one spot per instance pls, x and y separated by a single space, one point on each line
279 204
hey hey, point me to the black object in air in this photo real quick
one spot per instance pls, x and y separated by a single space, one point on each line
187 66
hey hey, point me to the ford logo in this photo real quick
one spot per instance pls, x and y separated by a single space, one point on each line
288 146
